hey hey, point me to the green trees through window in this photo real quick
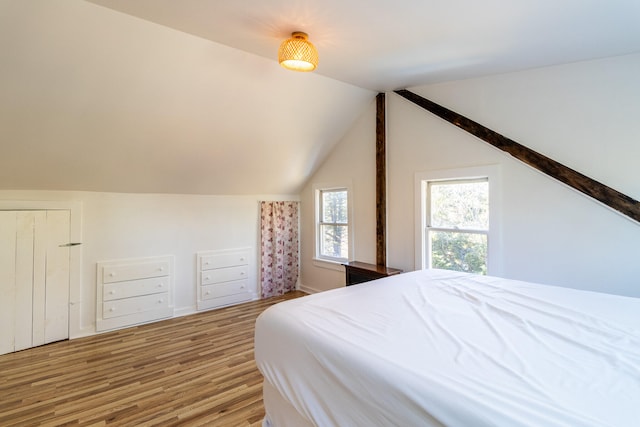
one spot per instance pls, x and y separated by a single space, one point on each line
458 225
334 224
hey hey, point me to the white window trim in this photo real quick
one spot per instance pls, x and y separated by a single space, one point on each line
492 172
318 261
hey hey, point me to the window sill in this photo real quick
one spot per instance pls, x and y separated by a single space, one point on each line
330 265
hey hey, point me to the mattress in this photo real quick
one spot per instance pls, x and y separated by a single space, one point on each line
441 348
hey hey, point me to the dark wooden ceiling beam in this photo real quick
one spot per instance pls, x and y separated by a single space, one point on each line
381 182
594 189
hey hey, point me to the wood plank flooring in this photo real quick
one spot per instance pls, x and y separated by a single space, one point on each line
196 370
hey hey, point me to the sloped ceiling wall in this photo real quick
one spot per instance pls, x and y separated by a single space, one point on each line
93 99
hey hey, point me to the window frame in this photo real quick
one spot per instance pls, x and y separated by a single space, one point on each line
319 259
423 215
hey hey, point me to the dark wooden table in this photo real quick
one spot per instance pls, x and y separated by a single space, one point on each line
359 272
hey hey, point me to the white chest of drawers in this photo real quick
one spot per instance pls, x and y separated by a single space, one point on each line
133 291
223 277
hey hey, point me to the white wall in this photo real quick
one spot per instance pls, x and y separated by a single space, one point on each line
119 225
353 163
583 115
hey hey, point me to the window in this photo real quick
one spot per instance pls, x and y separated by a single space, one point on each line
332 224
457 220
458 225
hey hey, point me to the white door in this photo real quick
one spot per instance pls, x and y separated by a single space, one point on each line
34 278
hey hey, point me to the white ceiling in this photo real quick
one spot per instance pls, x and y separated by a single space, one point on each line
96 100
186 96
384 45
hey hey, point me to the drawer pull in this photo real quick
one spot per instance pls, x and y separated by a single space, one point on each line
112 274
160 301
208 293
207 278
242 273
159 285
112 309
241 258
112 292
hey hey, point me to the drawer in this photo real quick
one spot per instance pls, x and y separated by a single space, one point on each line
123 307
134 288
227 259
139 270
224 289
224 275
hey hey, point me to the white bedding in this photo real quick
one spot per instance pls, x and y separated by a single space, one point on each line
434 347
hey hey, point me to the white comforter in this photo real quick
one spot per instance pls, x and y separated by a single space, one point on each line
434 347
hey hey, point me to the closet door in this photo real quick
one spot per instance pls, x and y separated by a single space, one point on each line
56 300
7 281
34 278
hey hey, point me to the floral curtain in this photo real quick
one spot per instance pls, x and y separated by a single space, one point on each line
279 247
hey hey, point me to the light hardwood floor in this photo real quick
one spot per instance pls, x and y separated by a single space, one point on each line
194 371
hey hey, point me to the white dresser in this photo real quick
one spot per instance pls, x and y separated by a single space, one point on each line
133 291
223 277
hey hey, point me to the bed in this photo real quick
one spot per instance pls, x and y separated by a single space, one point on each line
441 348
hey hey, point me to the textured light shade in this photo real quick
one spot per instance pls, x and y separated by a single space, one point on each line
297 53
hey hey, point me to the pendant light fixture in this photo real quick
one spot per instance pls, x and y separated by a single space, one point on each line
297 53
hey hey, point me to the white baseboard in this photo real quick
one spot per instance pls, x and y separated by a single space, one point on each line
85 332
308 290
184 311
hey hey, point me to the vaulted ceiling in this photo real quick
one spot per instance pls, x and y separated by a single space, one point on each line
187 97
383 45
